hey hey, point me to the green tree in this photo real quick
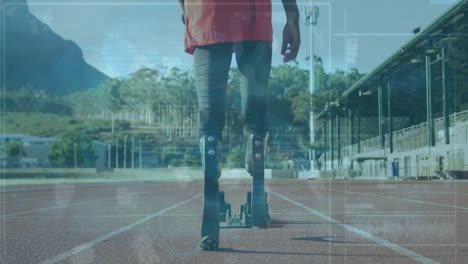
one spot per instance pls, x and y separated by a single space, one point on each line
30 100
14 149
289 109
235 158
87 102
144 87
286 83
336 85
192 156
173 153
321 77
178 87
71 146
113 88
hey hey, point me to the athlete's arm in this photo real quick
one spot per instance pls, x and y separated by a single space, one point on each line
291 33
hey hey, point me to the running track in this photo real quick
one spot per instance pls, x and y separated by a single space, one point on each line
312 222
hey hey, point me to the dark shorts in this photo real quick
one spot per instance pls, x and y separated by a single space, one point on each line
211 67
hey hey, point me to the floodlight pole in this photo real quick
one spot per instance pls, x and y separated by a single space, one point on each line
109 153
125 152
141 155
311 20
117 153
445 96
74 155
2 50
133 152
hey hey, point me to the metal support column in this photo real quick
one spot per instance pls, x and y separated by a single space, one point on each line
116 153
358 119
125 152
332 143
312 14
381 120
389 113
109 153
429 114
445 96
338 138
352 128
2 54
338 141
141 156
325 145
133 152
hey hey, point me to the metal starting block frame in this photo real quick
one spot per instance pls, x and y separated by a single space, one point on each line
254 212
229 220
242 220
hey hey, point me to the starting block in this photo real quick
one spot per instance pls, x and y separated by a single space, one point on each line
242 220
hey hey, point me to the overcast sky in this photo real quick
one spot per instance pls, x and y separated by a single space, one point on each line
118 37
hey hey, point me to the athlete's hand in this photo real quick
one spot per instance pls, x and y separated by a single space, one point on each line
291 41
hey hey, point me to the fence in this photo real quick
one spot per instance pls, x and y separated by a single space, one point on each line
410 151
416 137
172 120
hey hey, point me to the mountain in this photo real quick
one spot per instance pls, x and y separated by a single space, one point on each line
38 58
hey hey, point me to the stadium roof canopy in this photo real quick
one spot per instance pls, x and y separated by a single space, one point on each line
406 68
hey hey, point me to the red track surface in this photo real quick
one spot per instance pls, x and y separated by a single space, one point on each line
312 222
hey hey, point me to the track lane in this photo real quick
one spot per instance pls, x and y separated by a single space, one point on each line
296 236
395 247
46 237
424 233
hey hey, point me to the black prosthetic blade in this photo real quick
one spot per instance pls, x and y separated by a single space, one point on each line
211 202
259 206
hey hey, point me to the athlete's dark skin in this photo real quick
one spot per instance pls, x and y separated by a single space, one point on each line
291 33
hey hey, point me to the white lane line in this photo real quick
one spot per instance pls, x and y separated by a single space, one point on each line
63 206
99 216
349 214
358 244
53 189
55 207
109 235
75 216
430 192
21 200
410 200
402 215
402 199
406 252
377 213
415 213
60 187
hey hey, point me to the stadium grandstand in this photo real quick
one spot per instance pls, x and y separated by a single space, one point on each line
408 117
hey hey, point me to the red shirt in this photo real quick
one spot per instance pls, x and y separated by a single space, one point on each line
217 21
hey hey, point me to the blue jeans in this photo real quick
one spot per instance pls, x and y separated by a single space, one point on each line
212 63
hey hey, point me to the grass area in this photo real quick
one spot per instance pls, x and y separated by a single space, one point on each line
56 176
35 176
47 125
